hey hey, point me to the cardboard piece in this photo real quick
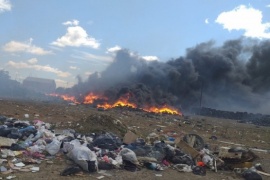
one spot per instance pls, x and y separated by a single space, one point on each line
187 149
6 142
224 153
130 137
242 165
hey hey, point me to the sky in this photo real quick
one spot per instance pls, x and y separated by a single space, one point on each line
63 39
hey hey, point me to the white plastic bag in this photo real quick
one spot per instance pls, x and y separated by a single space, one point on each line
37 148
129 155
81 155
53 147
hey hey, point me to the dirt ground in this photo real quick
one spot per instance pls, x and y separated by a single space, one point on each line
63 116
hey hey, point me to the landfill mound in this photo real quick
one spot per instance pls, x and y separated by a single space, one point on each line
97 123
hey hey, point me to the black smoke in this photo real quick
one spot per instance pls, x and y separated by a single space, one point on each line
234 76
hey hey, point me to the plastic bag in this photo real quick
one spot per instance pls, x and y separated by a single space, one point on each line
53 147
183 168
81 155
14 134
129 155
107 141
36 148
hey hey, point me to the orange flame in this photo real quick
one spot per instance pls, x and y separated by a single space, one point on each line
121 102
163 110
65 97
104 106
124 102
91 97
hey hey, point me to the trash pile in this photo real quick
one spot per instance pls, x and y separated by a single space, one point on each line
24 145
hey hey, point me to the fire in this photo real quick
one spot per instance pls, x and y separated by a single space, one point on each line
163 110
104 106
65 97
91 97
119 103
123 101
69 98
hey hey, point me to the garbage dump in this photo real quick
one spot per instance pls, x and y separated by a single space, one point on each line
24 143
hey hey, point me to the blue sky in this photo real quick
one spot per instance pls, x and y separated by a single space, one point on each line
62 39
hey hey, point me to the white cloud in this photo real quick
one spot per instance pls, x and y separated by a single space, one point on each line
268 5
247 19
113 49
74 23
206 21
73 67
76 36
150 58
15 46
5 5
46 68
32 61
92 57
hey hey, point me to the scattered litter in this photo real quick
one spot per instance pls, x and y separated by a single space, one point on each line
3 169
100 177
198 170
2 160
29 144
104 172
72 104
34 169
7 172
7 153
19 164
160 126
14 160
6 142
10 177
183 168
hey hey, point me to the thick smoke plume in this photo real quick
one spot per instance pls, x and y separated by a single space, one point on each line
234 76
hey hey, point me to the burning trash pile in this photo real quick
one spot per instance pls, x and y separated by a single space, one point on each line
102 103
25 145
